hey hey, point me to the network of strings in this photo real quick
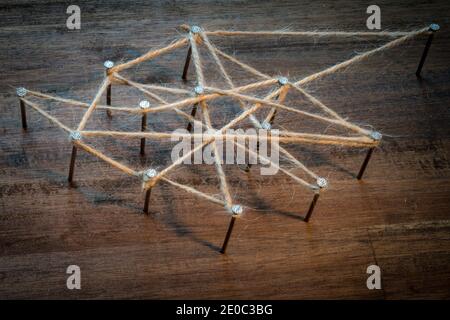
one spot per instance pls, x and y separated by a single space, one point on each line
204 94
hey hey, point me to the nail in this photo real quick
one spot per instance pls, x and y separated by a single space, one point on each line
376 136
236 210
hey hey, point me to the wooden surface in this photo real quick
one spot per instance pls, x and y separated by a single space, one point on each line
397 217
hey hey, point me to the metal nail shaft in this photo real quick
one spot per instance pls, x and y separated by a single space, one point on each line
193 112
147 199
143 128
311 207
108 99
228 235
186 64
272 119
72 163
23 113
364 165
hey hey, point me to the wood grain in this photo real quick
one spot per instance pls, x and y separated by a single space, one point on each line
397 217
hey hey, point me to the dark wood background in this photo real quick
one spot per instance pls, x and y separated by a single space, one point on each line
397 217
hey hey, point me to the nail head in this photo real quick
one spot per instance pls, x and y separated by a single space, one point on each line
198 90
375 135
266 125
144 104
322 182
236 209
150 173
283 80
75 136
434 27
195 29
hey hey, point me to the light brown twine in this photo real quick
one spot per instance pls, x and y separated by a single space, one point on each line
207 97
344 64
196 59
46 115
80 144
266 160
165 89
235 92
253 110
281 97
287 136
224 73
160 99
217 160
284 137
252 118
392 34
91 108
282 106
140 88
149 55
317 103
296 162
162 173
233 122
360 57
241 64
105 158
117 80
194 191
216 59
201 81
78 103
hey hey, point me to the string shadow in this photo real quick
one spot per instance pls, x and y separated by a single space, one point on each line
322 159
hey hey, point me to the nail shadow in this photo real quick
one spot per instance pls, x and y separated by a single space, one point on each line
96 197
181 230
92 195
